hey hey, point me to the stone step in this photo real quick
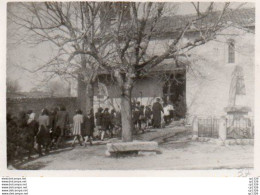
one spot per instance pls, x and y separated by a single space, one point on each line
128 147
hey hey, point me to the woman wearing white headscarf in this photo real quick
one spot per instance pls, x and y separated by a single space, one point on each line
31 117
30 132
43 135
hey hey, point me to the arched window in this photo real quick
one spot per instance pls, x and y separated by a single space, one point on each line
231 51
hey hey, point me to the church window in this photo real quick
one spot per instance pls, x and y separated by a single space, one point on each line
231 51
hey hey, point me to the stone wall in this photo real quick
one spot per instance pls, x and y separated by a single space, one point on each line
14 106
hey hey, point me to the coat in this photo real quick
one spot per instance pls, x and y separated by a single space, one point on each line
148 113
77 123
44 120
88 126
99 118
106 120
136 114
62 120
52 119
27 135
113 118
43 136
157 109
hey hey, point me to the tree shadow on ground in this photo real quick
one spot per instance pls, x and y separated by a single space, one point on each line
34 166
38 165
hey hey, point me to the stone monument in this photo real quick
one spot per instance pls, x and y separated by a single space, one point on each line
237 110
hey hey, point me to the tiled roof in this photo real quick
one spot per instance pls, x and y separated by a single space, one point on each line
171 65
241 17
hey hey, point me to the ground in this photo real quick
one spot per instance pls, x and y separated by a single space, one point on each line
179 152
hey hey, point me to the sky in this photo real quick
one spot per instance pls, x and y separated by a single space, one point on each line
31 57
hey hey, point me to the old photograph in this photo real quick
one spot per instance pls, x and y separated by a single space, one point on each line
130 85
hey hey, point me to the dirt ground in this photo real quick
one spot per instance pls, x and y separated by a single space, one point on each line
178 153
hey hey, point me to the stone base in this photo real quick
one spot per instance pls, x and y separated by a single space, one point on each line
132 148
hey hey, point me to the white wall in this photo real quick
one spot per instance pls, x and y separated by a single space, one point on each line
209 77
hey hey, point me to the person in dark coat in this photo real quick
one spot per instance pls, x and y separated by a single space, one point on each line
62 121
106 123
99 117
112 122
118 123
157 109
99 120
12 138
136 115
53 134
148 115
89 126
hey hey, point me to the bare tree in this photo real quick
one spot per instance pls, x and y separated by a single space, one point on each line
65 25
114 37
132 28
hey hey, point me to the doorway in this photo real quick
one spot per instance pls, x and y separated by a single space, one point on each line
174 92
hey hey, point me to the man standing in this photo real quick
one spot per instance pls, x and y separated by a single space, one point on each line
157 109
62 121
99 121
89 127
106 123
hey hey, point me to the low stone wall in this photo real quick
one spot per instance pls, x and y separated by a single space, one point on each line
14 106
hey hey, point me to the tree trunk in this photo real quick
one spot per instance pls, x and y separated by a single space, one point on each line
82 93
126 115
90 97
126 83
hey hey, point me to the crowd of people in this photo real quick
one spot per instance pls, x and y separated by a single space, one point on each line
26 133
155 116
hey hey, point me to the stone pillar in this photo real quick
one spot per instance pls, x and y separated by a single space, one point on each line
222 131
195 128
